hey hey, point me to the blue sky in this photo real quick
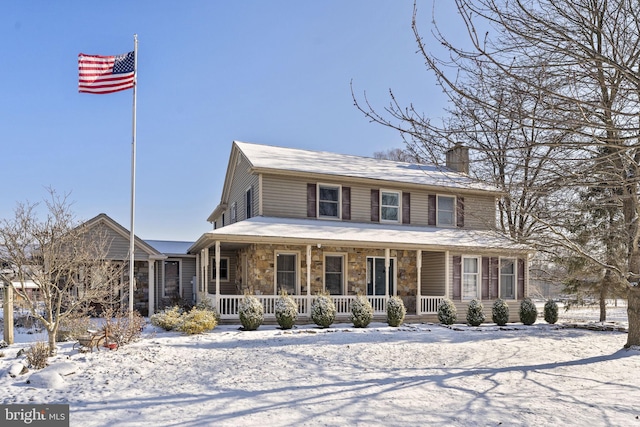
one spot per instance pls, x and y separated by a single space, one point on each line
209 72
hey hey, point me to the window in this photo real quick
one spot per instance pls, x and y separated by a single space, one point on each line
234 211
508 278
171 278
328 201
334 274
249 203
286 273
224 269
446 211
390 206
470 278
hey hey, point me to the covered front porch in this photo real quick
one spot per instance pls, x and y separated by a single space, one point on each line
228 270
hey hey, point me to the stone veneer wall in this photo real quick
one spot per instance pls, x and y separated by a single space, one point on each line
261 269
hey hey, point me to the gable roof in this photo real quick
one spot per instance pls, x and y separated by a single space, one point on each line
268 157
121 231
282 160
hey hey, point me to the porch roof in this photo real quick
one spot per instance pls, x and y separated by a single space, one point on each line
312 231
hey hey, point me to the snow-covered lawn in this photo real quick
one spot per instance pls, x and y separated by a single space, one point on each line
418 374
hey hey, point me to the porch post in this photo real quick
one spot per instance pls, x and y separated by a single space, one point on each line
419 282
218 275
198 284
308 270
387 263
152 285
447 274
205 271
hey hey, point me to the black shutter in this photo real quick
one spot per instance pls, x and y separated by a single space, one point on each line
406 208
521 265
311 200
460 212
485 277
346 203
375 205
432 209
457 277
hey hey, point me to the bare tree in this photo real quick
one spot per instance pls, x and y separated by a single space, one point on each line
398 155
63 258
563 75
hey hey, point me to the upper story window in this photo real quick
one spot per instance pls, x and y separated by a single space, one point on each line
329 201
390 206
249 202
446 211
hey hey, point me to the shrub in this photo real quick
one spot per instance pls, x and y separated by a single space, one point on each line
251 313
167 319
528 312
551 312
447 313
395 311
286 311
72 326
361 312
323 310
475 313
37 355
500 312
125 327
197 321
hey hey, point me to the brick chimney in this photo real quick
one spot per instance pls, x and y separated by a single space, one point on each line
458 159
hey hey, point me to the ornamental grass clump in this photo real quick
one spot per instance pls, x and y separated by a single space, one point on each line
475 313
38 355
251 313
447 313
395 311
323 310
361 312
286 311
500 312
551 312
197 321
528 312
167 319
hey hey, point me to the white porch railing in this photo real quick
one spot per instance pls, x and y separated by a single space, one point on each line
229 304
429 305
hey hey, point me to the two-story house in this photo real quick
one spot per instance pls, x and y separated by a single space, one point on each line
308 221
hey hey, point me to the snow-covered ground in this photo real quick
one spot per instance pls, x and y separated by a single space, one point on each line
418 374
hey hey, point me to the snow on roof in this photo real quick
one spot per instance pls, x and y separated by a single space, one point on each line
322 162
312 231
169 246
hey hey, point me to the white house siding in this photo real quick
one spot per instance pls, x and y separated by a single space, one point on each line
284 197
479 212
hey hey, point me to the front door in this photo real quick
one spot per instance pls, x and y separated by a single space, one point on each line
375 276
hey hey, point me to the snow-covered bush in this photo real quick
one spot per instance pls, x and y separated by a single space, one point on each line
251 313
528 312
395 311
37 355
551 312
167 319
500 312
286 311
447 313
475 313
197 321
361 312
323 310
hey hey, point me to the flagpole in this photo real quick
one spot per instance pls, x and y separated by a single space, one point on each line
133 176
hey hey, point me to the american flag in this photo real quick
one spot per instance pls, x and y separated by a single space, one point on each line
105 74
